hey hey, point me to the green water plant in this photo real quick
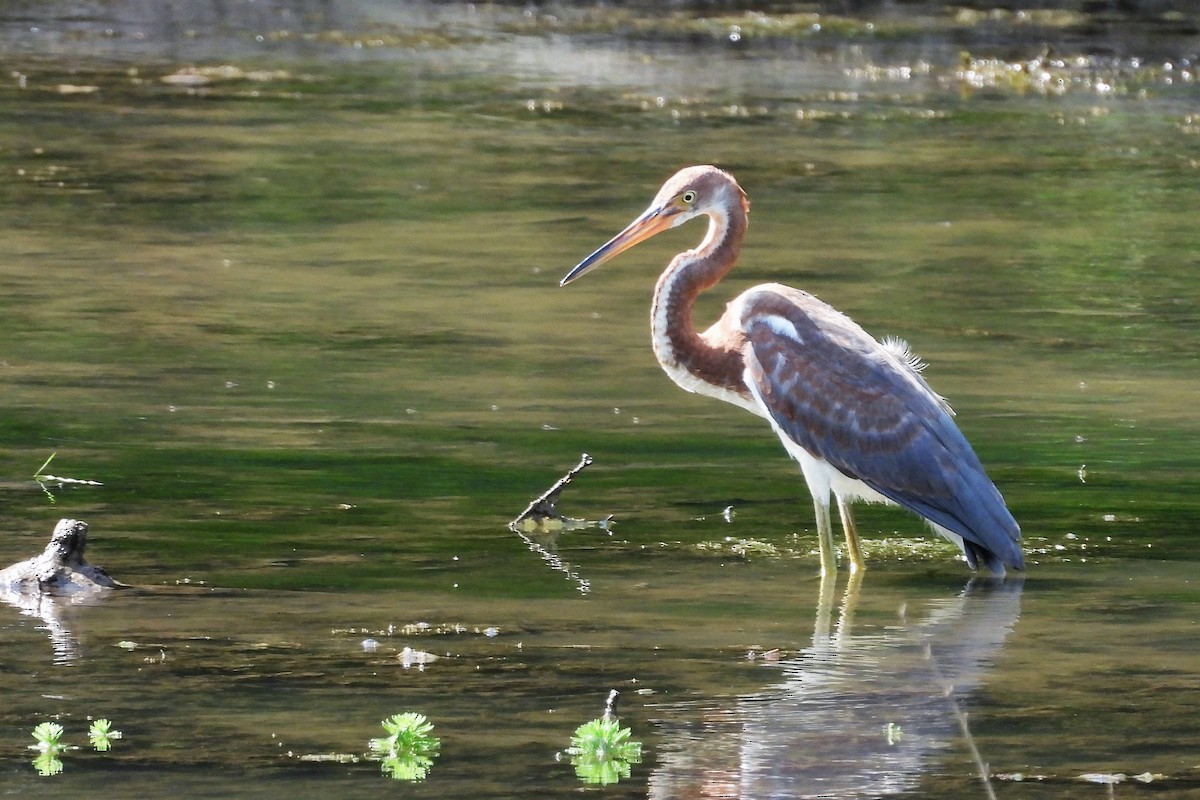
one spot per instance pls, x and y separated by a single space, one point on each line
101 735
408 751
49 736
603 752
50 746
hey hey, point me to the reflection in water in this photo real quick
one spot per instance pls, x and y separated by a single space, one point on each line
55 612
855 715
545 544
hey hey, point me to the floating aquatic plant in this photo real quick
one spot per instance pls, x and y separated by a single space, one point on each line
407 752
49 736
49 746
101 735
602 751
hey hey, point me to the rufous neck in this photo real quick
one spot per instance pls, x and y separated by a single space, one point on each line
691 273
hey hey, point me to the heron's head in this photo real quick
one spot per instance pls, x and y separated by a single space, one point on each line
692 192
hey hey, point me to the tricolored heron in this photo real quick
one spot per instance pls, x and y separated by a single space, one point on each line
854 412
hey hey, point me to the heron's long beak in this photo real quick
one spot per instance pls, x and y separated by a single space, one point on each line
653 221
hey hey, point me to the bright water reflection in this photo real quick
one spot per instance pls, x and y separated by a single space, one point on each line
301 321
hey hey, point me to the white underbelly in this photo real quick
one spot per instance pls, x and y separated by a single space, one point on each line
823 478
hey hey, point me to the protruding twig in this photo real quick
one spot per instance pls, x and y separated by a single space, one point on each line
546 506
610 705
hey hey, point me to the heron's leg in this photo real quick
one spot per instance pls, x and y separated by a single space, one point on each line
825 536
852 546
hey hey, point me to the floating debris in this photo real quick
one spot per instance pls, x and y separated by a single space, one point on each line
1108 778
742 548
203 76
416 658
186 77
773 655
1018 776
336 758
47 481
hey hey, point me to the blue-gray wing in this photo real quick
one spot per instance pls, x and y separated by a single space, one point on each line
844 398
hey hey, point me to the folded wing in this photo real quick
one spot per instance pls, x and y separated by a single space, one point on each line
864 408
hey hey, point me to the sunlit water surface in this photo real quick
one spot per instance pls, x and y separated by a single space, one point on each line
302 322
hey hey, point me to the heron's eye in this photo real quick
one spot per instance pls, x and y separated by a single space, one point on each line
688 197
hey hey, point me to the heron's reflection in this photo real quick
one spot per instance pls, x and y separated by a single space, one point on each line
855 715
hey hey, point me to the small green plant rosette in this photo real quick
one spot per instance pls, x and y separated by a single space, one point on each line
49 746
49 736
407 752
101 735
602 751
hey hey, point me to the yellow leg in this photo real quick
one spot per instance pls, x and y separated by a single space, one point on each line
825 538
854 550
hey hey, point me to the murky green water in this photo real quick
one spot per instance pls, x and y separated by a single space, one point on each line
303 323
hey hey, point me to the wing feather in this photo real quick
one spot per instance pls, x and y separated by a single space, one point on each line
864 408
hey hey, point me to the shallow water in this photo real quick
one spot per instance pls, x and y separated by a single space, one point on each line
301 321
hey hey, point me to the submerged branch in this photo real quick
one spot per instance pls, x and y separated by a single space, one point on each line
541 522
545 507
60 568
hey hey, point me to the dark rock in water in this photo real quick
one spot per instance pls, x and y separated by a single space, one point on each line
60 569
